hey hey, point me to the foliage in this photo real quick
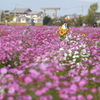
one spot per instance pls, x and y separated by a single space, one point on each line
90 18
9 18
79 21
46 20
93 8
6 11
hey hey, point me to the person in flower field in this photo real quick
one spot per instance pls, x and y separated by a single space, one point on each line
65 25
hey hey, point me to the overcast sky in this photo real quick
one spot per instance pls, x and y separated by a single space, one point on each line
67 7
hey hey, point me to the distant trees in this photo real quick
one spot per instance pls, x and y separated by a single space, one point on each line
57 21
46 20
79 21
89 19
9 18
6 17
2 16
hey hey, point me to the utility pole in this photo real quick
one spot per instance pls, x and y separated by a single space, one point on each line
0 14
82 9
15 13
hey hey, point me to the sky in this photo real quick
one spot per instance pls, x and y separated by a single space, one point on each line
67 7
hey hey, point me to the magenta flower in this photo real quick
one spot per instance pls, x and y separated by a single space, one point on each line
89 97
74 87
54 78
3 70
10 98
80 97
11 90
63 96
34 73
1 96
77 78
93 71
82 82
28 80
38 93
93 90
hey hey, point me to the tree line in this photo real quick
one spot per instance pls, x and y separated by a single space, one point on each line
88 19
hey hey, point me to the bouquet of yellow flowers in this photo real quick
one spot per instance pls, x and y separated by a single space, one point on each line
62 32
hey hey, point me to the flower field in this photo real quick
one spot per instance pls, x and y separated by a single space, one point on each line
36 64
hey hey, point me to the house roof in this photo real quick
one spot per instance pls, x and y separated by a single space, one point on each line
35 12
7 13
21 10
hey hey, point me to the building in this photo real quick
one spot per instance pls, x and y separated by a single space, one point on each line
97 18
20 11
21 19
25 15
36 15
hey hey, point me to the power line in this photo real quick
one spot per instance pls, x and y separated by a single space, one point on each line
82 9
70 8
74 7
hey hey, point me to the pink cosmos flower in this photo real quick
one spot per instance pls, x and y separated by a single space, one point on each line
1 96
38 92
11 90
10 98
28 80
44 89
93 90
74 87
72 98
48 84
34 73
21 91
80 97
3 70
93 71
94 52
99 89
43 98
89 97
55 78
82 82
77 78
63 96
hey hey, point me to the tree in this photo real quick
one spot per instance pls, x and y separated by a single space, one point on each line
2 16
79 21
93 8
90 18
6 11
46 20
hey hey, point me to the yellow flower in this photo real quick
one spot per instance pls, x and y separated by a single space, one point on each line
67 29
57 31
60 28
62 32
83 34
